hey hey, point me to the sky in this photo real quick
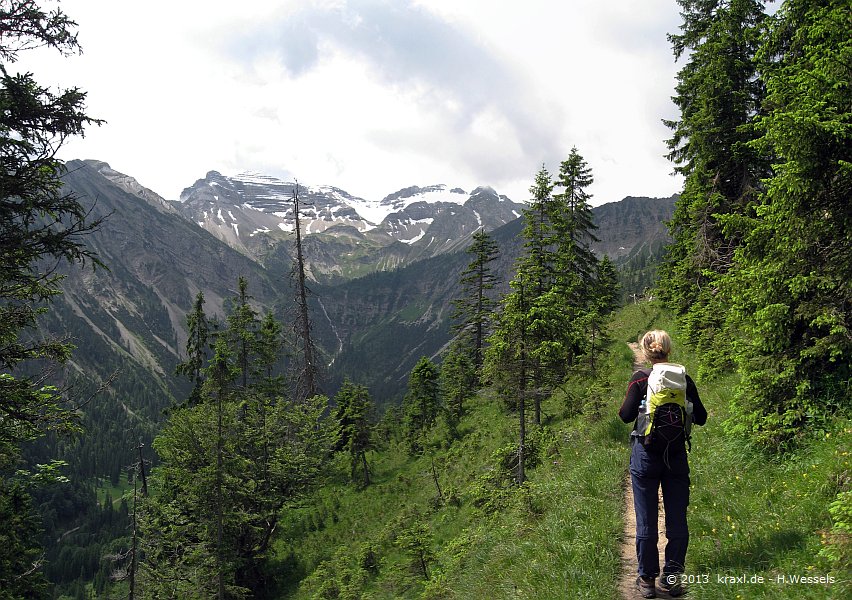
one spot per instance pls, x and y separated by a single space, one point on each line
372 96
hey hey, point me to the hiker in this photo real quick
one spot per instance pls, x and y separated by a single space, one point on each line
658 457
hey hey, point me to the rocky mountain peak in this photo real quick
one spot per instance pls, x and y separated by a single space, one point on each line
253 213
125 182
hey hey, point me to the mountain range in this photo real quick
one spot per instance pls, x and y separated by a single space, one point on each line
383 278
349 236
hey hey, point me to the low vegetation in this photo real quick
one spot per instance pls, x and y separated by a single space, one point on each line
449 523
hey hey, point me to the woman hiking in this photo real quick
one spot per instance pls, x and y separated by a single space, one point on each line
662 402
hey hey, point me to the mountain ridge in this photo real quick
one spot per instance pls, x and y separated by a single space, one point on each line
254 214
388 306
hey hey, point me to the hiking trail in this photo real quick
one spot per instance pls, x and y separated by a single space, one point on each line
627 582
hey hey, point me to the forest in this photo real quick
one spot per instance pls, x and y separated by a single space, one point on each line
501 473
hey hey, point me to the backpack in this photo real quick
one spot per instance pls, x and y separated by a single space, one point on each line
665 414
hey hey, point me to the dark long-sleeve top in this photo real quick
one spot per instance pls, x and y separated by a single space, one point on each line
637 389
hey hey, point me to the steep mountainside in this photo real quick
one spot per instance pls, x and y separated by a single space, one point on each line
128 320
632 225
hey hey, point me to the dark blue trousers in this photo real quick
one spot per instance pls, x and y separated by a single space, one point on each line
649 470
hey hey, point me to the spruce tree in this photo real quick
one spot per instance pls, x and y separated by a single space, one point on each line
422 403
508 365
575 284
41 226
459 379
242 331
790 293
536 273
354 428
474 306
718 94
197 346
574 227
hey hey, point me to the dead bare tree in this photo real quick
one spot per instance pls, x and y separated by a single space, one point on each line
307 376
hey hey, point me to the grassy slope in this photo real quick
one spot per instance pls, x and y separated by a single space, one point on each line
558 536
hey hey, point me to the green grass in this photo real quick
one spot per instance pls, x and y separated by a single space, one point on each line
754 516
103 486
558 536
762 516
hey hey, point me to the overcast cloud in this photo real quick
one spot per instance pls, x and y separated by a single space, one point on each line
372 95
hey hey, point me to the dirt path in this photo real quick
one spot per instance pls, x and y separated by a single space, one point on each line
627 582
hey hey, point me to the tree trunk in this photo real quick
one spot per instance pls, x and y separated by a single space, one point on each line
220 555
308 374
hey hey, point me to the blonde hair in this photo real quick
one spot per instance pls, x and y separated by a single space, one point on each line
656 345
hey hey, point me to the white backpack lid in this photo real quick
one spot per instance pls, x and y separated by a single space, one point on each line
670 376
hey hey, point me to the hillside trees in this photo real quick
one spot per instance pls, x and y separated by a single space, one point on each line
602 302
461 368
553 312
546 321
718 95
790 292
474 305
197 348
40 227
422 403
355 432
228 466
508 362
760 265
459 380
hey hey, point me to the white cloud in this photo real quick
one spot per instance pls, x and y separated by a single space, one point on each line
372 96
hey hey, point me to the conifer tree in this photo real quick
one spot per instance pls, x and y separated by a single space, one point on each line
789 291
718 94
606 286
539 260
575 283
242 331
266 368
354 430
197 346
604 299
422 402
536 274
41 226
574 228
459 379
474 306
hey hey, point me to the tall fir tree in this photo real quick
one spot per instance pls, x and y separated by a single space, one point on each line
577 266
604 300
574 228
718 94
197 348
242 331
536 274
354 437
508 365
459 379
790 293
40 226
422 403
474 307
